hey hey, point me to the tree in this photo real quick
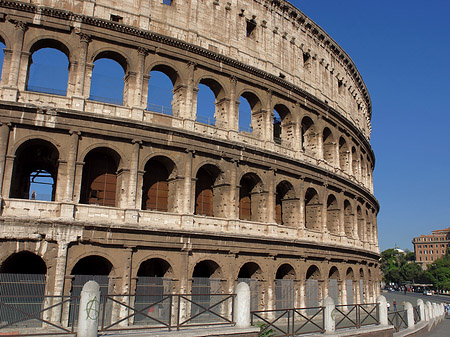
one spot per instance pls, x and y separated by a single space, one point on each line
400 268
439 272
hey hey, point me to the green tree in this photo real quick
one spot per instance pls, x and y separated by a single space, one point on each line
398 267
439 272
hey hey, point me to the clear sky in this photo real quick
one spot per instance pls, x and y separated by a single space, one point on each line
402 50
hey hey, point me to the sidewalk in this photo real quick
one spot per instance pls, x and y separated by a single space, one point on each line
441 330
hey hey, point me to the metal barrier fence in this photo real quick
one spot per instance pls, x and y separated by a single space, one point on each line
289 322
159 109
356 315
416 312
398 319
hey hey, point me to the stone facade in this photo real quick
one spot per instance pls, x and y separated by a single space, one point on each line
428 248
288 201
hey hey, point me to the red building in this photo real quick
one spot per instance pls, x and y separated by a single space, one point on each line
428 248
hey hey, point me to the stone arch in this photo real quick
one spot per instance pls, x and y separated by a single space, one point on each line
208 191
348 219
309 136
35 167
313 210
350 281
158 187
115 55
92 267
23 262
285 204
313 293
333 212
250 197
355 162
250 270
334 279
283 127
216 115
361 221
284 286
344 155
253 119
100 181
328 146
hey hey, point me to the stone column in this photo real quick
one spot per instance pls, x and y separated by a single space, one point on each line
302 294
187 209
4 141
268 120
71 165
234 191
60 269
271 197
78 98
13 80
89 310
233 113
190 105
138 95
78 180
242 305
131 213
7 174
330 322
383 311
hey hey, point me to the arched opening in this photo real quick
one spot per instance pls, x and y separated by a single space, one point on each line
205 190
313 213
153 282
248 105
250 197
348 219
160 96
343 155
22 274
251 274
99 181
2 58
210 106
108 79
283 128
332 215
333 286
48 68
284 287
157 190
362 290
361 221
363 170
368 227
313 295
206 285
355 165
309 136
329 146
35 171
285 204
349 279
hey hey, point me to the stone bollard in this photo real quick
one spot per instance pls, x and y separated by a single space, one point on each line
435 311
382 305
429 310
409 315
242 305
421 306
329 315
89 310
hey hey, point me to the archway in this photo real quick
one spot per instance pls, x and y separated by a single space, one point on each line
160 96
250 198
207 195
285 204
284 287
206 287
251 274
333 285
332 215
313 212
329 146
313 294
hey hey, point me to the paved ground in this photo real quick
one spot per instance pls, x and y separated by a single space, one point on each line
441 330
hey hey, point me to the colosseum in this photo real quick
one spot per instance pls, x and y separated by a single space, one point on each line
137 195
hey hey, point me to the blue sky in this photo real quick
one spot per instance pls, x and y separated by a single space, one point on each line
402 50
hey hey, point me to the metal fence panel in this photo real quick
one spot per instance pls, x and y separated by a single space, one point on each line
333 290
284 294
361 291
350 299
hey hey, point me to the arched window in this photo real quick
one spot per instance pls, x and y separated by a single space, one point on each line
205 280
333 287
245 114
312 289
249 197
361 221
343 155
283 129
285 207
99 184
160 97
35 171
350 280
313 213
107 80
251 274
156 189
348 219
48 68
329 146
332 215
309 136
204 190
2 58
209 105
284 287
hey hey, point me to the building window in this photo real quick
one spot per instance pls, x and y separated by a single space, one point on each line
251 25
419 246
167 2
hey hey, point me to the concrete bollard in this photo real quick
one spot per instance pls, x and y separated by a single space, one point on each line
329 315
409 315
421 306
382 305
430 310
89 310
242 305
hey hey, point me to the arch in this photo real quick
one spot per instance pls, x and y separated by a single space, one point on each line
328 146
108 81
205 281
99 180
344 154
24 262
361 221
284 286
2 56
333 285
285 204
355 164
250 197
210 108
313 211
350 285
207 194
313 273
309 136
312 289
283 130
348 219
35 170
161 87
249 104
333 212
349 274
92 267
158 191
250 270
334 273
363 170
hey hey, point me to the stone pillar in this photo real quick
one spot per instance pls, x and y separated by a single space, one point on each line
78 181
4 141
58 291
190 106
233 113
7 174
329 316
381 300
409 315
234 191
132 182
302 294
13 80
421 306
271 197
187 193
78 99
344 292
242 306
71 165
138 95
268 120
89 310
